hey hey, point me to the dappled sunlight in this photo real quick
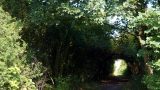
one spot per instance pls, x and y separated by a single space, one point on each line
119 67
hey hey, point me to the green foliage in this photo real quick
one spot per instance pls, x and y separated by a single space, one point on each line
63 83
124 44
15 73
60 30
153 81
73 37
67 83
150 18
135 84
156 65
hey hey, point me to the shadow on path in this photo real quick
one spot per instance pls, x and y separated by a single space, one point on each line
114 84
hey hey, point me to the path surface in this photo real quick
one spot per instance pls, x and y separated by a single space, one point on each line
111 83
114 84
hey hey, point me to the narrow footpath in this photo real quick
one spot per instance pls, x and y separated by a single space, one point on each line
114 84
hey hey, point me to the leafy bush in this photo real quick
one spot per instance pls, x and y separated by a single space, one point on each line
135 84
15 73
67 83
62 83
153 81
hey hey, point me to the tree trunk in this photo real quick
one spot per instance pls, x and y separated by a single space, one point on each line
142 40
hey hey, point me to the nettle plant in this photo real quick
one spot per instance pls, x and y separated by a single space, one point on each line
15 73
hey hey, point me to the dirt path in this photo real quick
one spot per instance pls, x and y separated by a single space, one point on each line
112 83
113 86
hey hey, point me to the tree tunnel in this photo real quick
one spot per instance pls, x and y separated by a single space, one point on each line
98 64
115 65
123 65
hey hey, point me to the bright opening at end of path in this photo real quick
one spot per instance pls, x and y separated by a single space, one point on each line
119 67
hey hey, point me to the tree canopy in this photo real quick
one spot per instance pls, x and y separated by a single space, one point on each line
46 43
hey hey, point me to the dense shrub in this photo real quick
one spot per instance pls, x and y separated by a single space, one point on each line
153 81
67 83
15 72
